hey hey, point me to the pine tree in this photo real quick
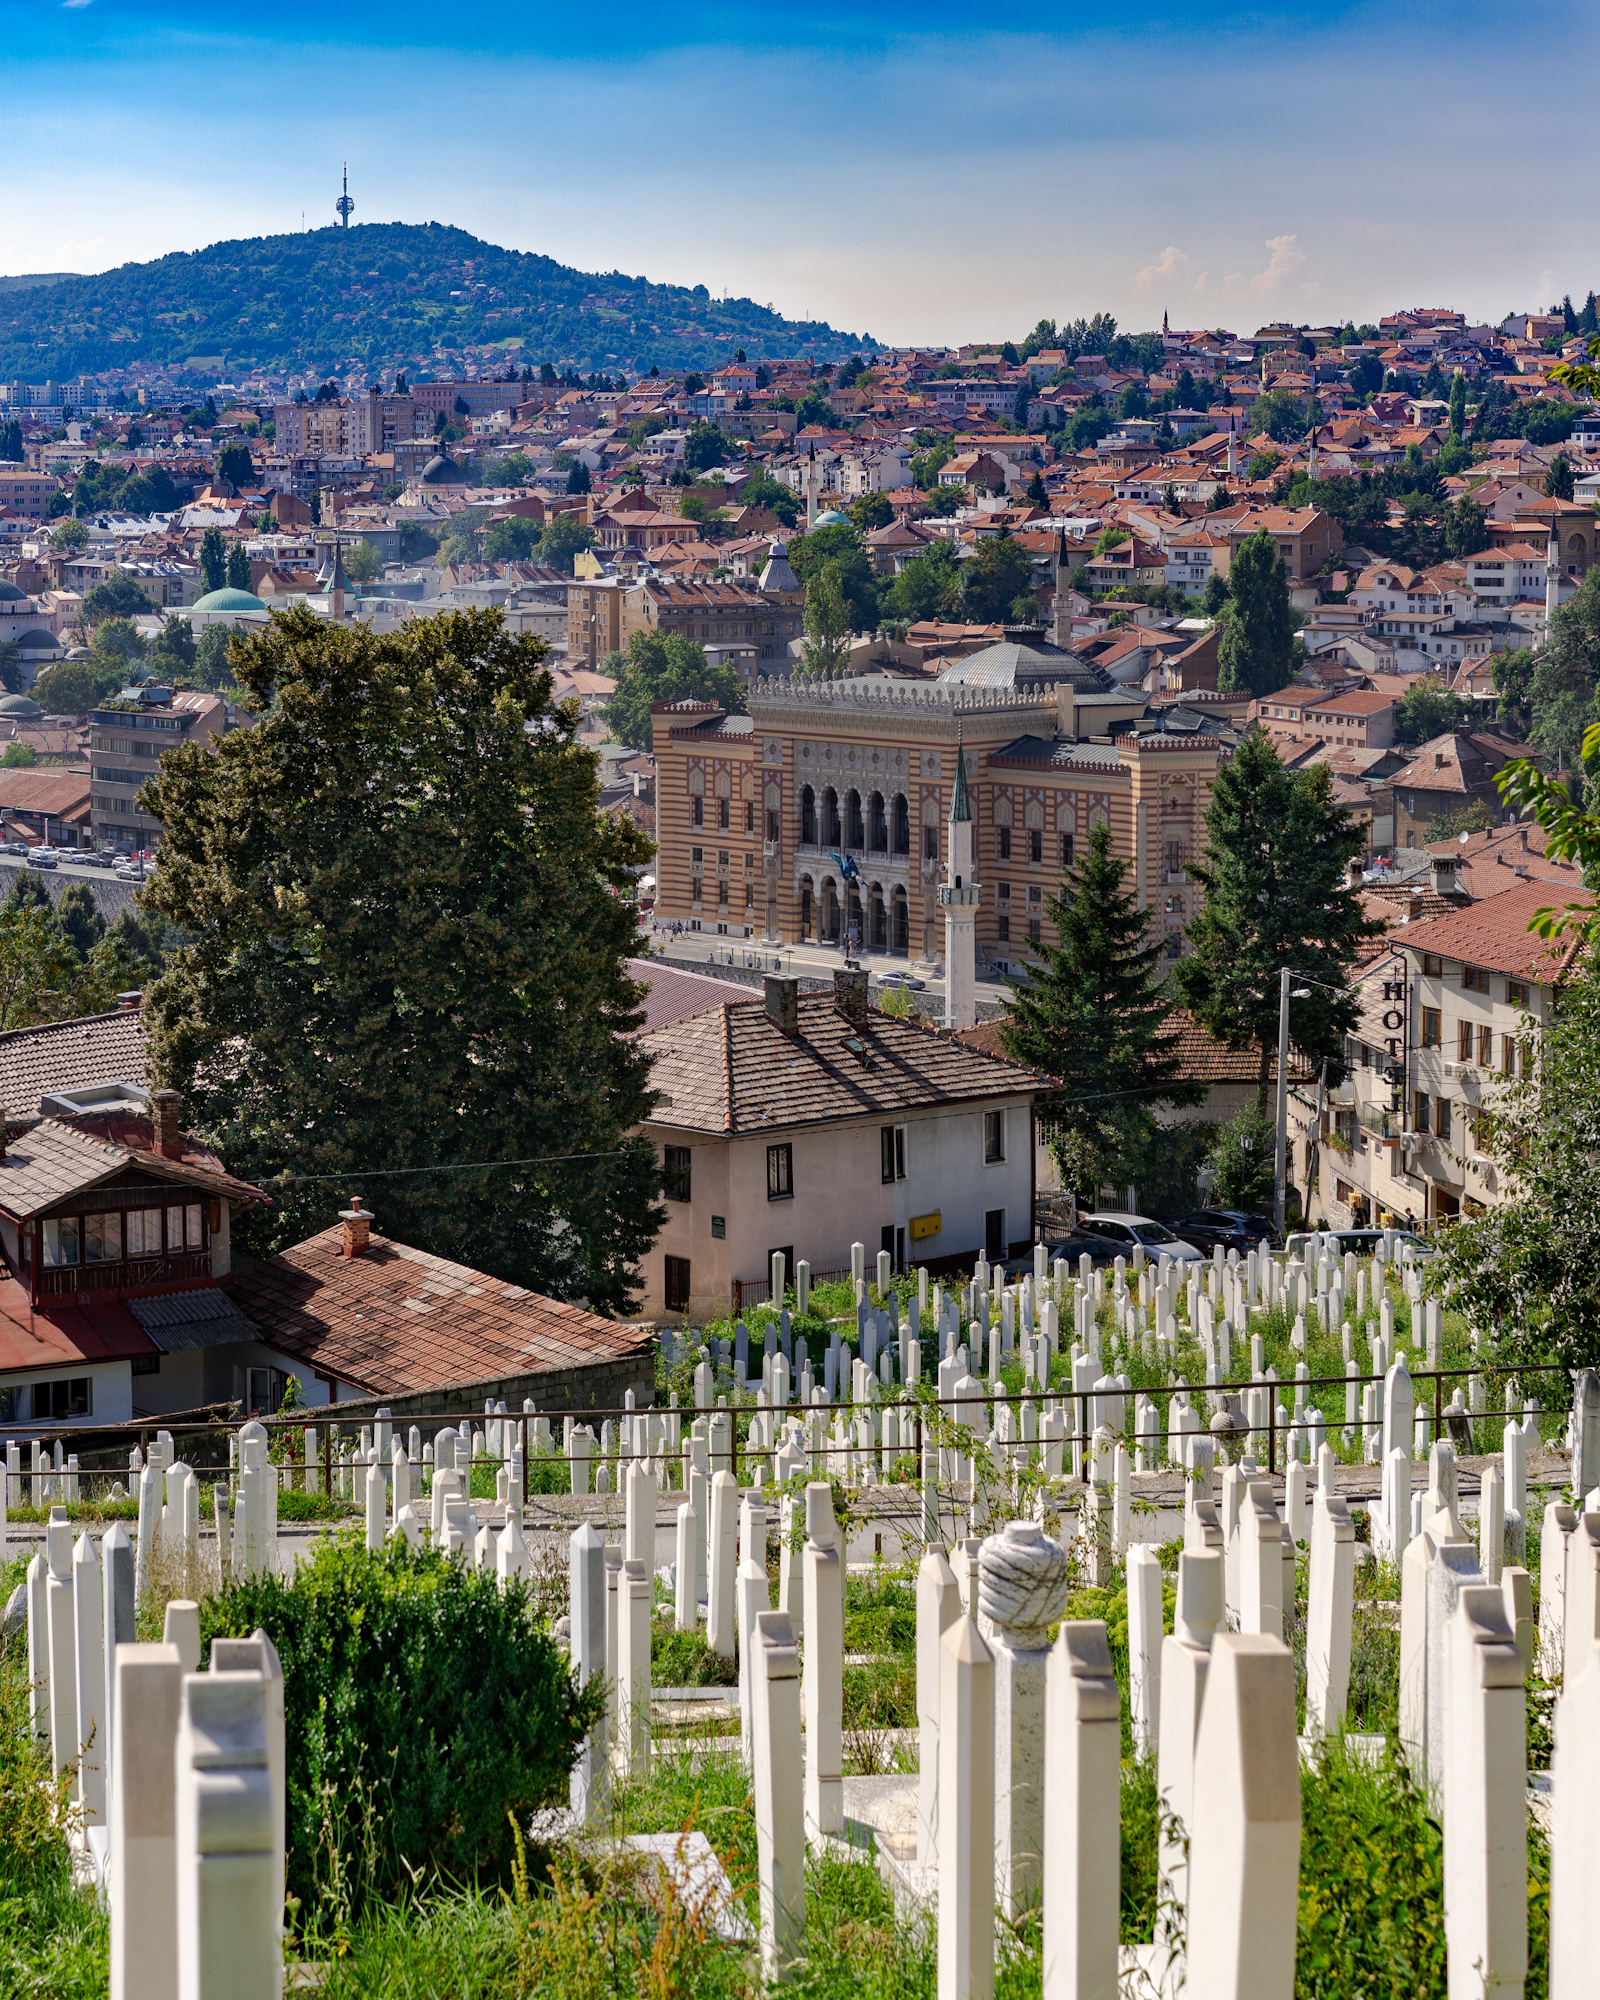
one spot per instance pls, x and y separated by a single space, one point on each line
409 924
1258 635
1094 1014
1274 882
1558 481
238 567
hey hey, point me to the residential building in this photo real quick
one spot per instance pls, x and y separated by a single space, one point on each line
45 805
717 613
349 426
1447 774
1450 1008
806 1123
128 737
1305 537
27 494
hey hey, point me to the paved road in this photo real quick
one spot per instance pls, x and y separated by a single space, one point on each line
111 896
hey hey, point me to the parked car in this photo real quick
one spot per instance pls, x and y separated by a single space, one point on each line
1226 1228
14 847
890 980
1126 1230
42 857
91 859
1102 1250
1361 1241
129 871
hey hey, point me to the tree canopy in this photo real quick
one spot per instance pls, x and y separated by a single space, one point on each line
664 667
840 545
997 583
1257 646
1095 1014
1427 710
409 923
1275 894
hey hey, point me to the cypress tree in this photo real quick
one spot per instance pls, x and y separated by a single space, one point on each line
1258 634
1274 880
1095 1015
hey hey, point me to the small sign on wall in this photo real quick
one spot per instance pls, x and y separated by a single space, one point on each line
925 1225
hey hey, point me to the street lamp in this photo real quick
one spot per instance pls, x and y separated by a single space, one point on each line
1280 1160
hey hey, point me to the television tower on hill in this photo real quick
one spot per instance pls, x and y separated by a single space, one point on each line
344 206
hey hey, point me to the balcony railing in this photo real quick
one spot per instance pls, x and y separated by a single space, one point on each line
130 1275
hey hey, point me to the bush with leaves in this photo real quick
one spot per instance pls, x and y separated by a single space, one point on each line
425 1709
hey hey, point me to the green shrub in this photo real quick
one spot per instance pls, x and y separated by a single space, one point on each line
424 1705
684 1660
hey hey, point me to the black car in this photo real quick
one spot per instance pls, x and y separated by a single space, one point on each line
1209 1229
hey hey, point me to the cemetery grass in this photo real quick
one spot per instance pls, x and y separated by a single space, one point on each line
54 1938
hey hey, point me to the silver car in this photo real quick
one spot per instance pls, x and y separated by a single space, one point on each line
1154 1238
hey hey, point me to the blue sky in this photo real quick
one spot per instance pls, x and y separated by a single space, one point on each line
925 172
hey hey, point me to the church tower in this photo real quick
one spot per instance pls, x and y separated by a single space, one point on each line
958 898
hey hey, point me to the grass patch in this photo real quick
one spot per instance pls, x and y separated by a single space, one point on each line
685 1660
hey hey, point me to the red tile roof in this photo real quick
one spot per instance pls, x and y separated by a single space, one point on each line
1494 933
61 1333
397 1320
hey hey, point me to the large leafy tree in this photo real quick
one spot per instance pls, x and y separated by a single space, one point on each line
1094 1014
664 667
1427 710
1257 644
841 545
1274 881
410 921
827 626
997 582
115 596
928 587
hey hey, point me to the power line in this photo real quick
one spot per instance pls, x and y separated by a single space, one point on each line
444 1167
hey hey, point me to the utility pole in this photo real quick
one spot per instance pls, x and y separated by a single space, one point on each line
1280 1160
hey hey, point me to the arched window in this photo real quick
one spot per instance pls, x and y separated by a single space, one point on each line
878 928
808 816
830 817
900 922
877 825
1174 906
724 790
902 825
806 912
830 909
773 805
855 833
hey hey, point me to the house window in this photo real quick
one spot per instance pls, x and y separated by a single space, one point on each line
697 812
1485 1048
73 1397
722 814
1442 1121
780 1173
892 1151
1431 1031
1474 979
675 1172
1003 927
722 895
1516 994
1034 930
1003 836
1036 845
697 855
677 1284
1066 850
102 1239
61 1242
1463 1041
1423 1108
749 815
930 843
143 1227
695 889
1431 968
994 1137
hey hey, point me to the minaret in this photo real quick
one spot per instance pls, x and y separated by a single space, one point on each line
336 587
1233 452
1552 577
811 490
958 898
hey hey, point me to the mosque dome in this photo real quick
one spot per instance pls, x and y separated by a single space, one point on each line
439 471
9 593
832 519
230 600
20 708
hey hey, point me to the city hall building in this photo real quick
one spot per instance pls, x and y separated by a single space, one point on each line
821 815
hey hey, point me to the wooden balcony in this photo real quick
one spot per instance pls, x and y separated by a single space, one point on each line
130 1275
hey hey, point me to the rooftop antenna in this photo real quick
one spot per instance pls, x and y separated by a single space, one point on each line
344 206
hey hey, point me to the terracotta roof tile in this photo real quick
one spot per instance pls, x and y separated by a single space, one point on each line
397 1320
1494 933
70 1055
731 1069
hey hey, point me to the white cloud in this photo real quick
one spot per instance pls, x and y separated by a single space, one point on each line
83 252
1170 263
1286 259
77 3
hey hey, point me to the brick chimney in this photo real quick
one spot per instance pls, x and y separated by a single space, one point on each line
166 1110
850 995
783 1003
357 1228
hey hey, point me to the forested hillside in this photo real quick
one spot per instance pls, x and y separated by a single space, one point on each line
378 296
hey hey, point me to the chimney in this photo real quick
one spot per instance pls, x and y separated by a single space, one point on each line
1354 874
166 1108
1066 712
783 1003
357 1228
1522 838
850 996
1442 874
128 1003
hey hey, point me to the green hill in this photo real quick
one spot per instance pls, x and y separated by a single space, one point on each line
377 297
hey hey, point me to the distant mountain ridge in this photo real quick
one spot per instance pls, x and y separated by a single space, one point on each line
377 297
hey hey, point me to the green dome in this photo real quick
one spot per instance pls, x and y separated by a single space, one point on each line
19 706
832 519
229 600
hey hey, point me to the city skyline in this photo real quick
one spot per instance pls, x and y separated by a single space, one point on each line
918 181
